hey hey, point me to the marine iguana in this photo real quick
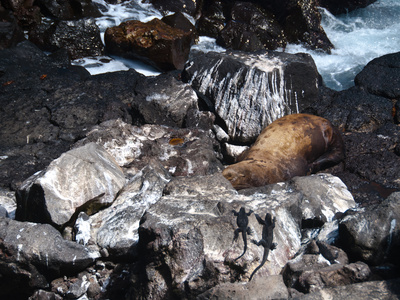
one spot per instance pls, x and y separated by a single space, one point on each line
266 240
242 221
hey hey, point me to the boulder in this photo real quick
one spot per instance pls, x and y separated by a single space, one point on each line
190 7
301 22
82 179
163 100
81 37
212 19
355 110
363 240
68 10
10 32
250 91
183 152
271 287
337 7
27 13
154 42
381 76
179 21
189 232
116 227
47 106
250 29
333 276
383 289
34 253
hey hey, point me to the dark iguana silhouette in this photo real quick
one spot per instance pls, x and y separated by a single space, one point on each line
266 240
242 221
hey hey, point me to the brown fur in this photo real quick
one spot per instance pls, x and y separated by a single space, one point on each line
294 145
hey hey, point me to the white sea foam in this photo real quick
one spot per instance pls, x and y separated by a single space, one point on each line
358 37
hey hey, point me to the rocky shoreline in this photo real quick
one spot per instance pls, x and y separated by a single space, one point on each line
111 185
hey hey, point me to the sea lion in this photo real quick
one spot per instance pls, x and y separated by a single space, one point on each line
294 145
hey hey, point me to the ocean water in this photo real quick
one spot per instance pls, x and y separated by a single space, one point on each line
358 37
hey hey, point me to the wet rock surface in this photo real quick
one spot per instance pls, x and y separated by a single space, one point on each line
159 44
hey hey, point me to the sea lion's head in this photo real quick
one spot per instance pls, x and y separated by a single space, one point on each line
245 174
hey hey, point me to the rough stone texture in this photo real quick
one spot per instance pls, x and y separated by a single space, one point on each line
81 37
271 287
334 275
385 290
302 263
10 31
34 253
115 228
251 29
84 178
363 240
183 152
381 76
250 91
302 23
67 10
154 42
188 234
47 106
332 197
163 100
212 19
356 110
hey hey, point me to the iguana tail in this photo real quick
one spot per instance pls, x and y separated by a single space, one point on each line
265 256
244 235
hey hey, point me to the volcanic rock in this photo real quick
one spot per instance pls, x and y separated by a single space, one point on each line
154 42
84 178
365 241
251 29
250 91
81 37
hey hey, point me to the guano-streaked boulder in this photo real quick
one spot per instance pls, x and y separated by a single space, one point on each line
189 233
83 178
248 91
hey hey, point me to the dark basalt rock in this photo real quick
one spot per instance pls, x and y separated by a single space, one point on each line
212 20
68 10
26 12
337 7
363 240
191 7
81 38
10 32
33 253
302 23
249 91
381 76
251 29
47 106
154 42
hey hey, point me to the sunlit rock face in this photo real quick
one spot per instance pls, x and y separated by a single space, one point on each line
84 178
189 232
250 91
154 42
